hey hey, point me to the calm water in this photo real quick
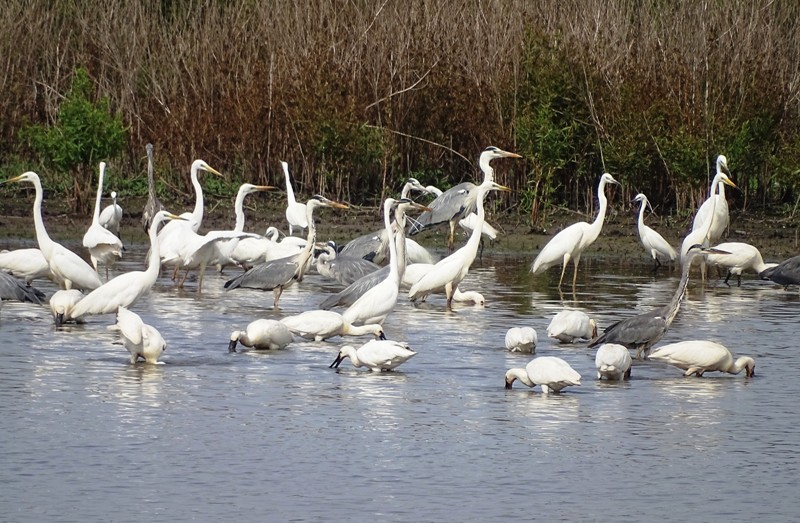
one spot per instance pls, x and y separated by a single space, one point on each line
280 436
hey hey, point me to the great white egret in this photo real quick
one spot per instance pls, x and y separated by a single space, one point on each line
28 264
320 325
104 246
171 238
569 326
125 289
785 273
153 204
742 257
61 304
68 269
276 275
13 289
715 207
570 243
521 339
458 202
448 272
142 340
111 215
653 243
343 269
613 362
642 331
699 356
296 213
552 373
262 334
376 355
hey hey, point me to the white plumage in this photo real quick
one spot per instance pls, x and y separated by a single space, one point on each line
296 213
111 215
104 246
613 362
700 356
319 325
521 339
377 355
569 326
262 334
142 340
653 242
551 373
742 257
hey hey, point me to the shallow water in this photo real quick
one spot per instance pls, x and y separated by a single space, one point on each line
279 436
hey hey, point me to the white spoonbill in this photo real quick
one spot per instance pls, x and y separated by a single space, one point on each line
104 246
142 340
125 289
653 243
61 304
570 243
376 355
111 215
742 257
262 334
296 213
319 325
569 326
68 269
700 356
613 362
521 339
552 373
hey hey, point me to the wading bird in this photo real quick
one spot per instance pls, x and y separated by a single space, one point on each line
570 243
142 340
111 215
320 325
28 264
13 289
125 289
642 331
742 257
296 213
67 268
376 355
785 273
104 246
344 269
153 204
715 208
568 326
653 243
276 275
458 202
262 334
698 357
61 304
521 339
613 362
552 373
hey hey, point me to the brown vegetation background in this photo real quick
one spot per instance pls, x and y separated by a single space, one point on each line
358 95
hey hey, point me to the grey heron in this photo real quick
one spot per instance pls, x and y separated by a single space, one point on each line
785 273
13 289
153 204
642 331
343 269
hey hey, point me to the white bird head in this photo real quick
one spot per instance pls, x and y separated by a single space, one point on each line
607 178
113 195
722 165
234 340
320 201
28 176
748 364
200 165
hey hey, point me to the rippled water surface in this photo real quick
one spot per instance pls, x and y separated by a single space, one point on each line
279 436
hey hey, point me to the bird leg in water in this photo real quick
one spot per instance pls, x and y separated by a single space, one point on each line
656 264
276 292
575 269
448 289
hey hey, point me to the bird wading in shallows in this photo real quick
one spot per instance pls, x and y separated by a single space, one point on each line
103 245
296 213
570 243
785 273
459 201
699 356
653 243
715 208
376 355
551 373
641 332
153 204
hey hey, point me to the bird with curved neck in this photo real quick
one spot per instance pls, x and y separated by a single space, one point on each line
320 325
653 242
296 212
458 202
715 207
125 289
448 272
376 355
642 331
278 274
67 268
700 356
552 373
104 246
570 243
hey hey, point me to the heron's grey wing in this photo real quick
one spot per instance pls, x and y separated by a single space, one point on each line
367 246
347 269
633 332
13 289
785 273
266 276
353 292
450 203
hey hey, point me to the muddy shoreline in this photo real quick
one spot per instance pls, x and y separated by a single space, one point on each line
777 236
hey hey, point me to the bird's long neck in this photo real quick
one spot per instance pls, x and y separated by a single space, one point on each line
361 330
238 208
289 190
521 375
472 245
488 172
394 271
675 304
305 254
98 199
46 244
197 214
399 229
597 224
151 183
154 261
641 215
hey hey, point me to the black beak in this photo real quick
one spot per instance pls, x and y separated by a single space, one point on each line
232 346
508 385
336 362
59 319
382 336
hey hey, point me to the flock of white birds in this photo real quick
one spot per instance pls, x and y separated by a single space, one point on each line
376 268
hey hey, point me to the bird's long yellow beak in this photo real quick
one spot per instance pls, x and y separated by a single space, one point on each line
171 216
339 205
511 155
728 181
212 170
14 179
263 187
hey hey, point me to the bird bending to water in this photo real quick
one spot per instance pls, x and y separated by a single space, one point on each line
262 334
552 373
742 257
67 268
653 243
459 201
153 204
569 326
613 362
698 357
521 339
570 243
642 331
320 325
296 213
104 246
376 355
276 275
61 304
142 340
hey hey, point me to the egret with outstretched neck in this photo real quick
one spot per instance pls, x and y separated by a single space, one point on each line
296 213
104 246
